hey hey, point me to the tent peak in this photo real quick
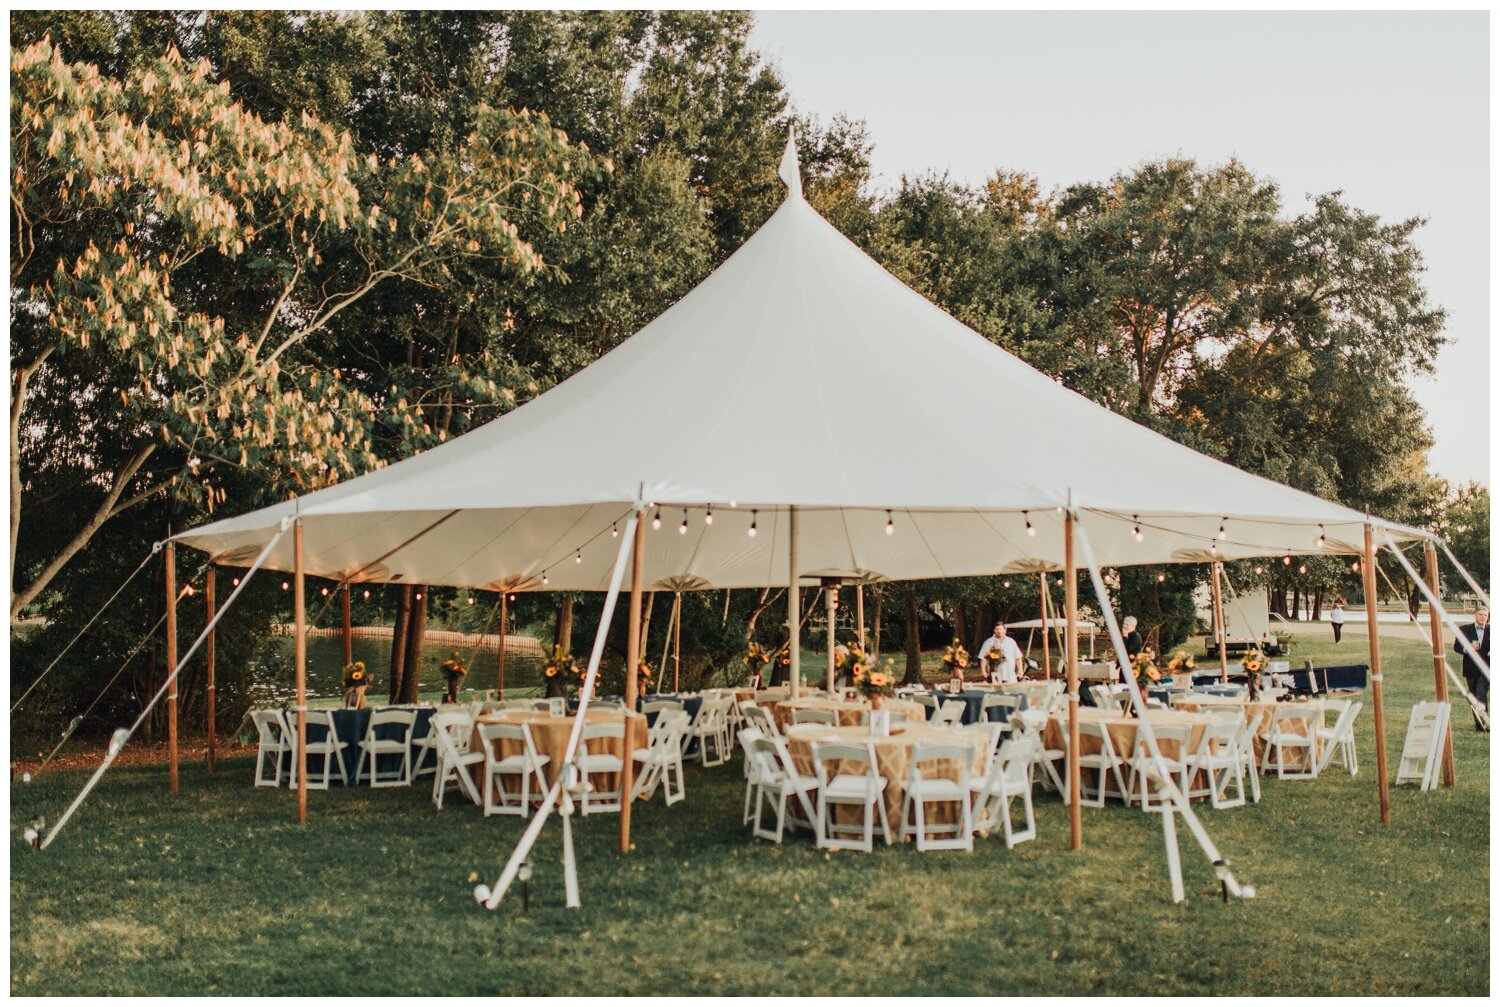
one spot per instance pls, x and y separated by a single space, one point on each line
791 169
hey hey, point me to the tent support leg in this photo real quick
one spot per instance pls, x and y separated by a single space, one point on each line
484 894
171 561
209 589
1221 635
500 661
633 643
793 609
299 602
1070 602
1046 631
1376 682
1439 665
859 612
830 612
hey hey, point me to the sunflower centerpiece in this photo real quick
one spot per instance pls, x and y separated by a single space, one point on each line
1180 663
356 681
644 679
853 661
875 684
955 660
562 674
454 670
756 659
1254 664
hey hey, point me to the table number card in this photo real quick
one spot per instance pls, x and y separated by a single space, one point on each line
557 706
880 723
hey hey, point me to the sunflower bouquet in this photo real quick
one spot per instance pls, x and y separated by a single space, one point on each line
1254 662
955 659
562 673
1143 666
872 682
755 659
643 676
453 671
853 661
355 675
1180 663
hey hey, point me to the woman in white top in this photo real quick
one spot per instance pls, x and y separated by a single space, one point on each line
1004 653
1336 619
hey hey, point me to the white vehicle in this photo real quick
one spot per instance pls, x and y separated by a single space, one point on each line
1247 623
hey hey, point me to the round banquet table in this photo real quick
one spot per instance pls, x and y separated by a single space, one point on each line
1122 731
550 735
1258 715
351 726
851 712
973 700
892 760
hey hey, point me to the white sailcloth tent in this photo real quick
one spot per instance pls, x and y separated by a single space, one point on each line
799 374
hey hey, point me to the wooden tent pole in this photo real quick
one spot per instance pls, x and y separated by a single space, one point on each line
210 603
500 661
830 612
633 644
299 605
1070 601
1046 632
1376 682
171 562
859 612
793 609
348 628
1439 665
676 643
1219 632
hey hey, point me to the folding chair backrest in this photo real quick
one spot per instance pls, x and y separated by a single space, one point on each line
1180 734
800 716
841 751
603 729
269 726
768 758
401 718
926 700
1016 756
319 718
657 706
447 728
940 752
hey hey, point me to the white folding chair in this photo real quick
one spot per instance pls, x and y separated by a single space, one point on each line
424 745
373 746
950 714
747 736
275 740
862 790
928 700
710 729
1284 737
779 782
1032 723
1338 740
760 717
1149 776
1221 762
1008 776
525 764
1007 705
661 761
922 790
1105 763
801 716
451 735
596 761
328 747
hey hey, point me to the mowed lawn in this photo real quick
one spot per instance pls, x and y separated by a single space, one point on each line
219 891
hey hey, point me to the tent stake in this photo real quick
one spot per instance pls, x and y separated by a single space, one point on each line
1439 664
299 645
1222 637
171 560
210 603
1070 602
1376 682
632 668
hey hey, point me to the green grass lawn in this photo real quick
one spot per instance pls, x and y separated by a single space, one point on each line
219 891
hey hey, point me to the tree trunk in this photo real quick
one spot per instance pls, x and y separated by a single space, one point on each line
562 634
398 641
1317 604
1296 604
913 639
879 604
411 681
767 599
960 624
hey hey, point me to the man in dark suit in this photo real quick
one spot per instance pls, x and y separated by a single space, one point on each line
1478 635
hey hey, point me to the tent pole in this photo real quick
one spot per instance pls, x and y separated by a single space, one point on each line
210 603
500 662
1376 682
677 643
171 561
859 612
632 667
348 627
793 609
1070 602
1219 633
299 604
830 611
1439 664
1046 632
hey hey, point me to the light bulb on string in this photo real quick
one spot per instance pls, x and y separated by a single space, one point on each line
286 586
1259 569
708 518
544 578
614 531
1213 547
188 590
1354 566
656 520
419 596
578 556
471 599
890 524
512 597
1007 584
682 529
1161 578
1222 533
1137 531
236 582
1287 559
367 594
1302 568
753 517
1322 537
1030 531
325 592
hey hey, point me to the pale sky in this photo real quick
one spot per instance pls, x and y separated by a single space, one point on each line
1391 108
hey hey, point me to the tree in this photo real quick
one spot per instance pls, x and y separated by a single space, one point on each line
1465 526
182 252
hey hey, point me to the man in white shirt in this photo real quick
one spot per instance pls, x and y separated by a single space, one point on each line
1004 654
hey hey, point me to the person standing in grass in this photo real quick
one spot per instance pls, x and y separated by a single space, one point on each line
1478 635
1003 655
1336 619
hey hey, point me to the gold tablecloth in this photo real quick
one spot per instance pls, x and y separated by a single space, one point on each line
892 760
550 735
1259 715
851 713
1123 730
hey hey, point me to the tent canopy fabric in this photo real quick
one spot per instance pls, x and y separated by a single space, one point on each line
799 374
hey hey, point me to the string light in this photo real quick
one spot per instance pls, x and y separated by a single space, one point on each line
708 518
1213 548
544 579
471 599
1222 533
614 531
285 585
890 524
367 594
1287 559
1302 568
1007 584
682 529
732 505
236 582
512 597
753 517
1322 539
419 596
1030 531
578 556
1259 569
1137 532
188 589
325 592
656 520
1354 566
1161 578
